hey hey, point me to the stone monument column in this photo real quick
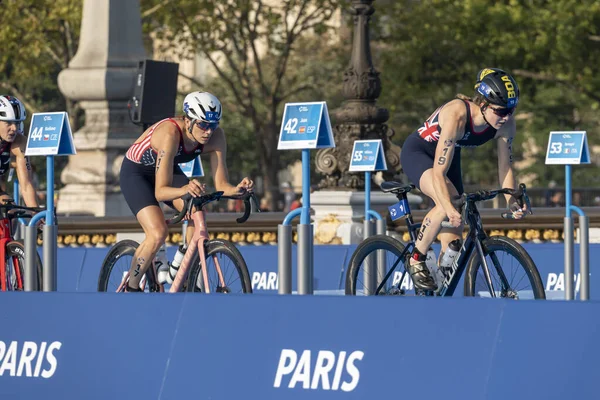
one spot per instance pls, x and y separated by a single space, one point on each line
339 204
101 76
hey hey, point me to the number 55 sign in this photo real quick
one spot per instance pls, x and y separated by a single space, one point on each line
367 155
568 148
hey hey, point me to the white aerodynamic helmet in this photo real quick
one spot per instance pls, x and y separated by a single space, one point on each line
202 106
11 109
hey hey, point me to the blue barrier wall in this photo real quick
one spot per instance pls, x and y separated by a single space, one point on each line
78 268
104 345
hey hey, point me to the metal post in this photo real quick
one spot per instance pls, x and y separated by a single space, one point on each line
370 266
50 231
584 260
305 267
31 283
49 251
284 258
568 233
381 259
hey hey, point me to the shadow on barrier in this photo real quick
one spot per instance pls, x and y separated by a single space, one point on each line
78 268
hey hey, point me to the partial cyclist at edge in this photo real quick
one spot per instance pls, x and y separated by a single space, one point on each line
431 159
150 172
12 150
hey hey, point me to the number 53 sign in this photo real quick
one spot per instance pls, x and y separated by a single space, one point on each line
568 148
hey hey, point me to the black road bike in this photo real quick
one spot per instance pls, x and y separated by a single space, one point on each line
496 266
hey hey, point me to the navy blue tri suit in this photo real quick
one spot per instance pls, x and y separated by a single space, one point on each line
138 171
418 151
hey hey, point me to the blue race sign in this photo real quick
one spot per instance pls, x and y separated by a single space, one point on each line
399 210
50 135
305 126
568 148
192 168
367 155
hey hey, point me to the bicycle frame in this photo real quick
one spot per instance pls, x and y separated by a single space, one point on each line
473 241
5 237
197 241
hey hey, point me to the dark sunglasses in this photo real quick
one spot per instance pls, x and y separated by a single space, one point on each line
503 112
207 125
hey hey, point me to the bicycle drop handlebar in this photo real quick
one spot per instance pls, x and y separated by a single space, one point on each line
520 194
189 202
12 210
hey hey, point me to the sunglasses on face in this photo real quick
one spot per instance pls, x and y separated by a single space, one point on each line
207 125
503 112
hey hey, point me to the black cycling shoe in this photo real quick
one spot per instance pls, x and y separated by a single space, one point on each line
420 275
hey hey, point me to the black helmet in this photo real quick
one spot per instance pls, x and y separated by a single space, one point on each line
497 87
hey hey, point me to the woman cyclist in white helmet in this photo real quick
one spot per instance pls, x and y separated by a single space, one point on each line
12 148
150 173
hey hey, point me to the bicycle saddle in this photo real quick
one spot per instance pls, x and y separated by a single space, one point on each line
396 187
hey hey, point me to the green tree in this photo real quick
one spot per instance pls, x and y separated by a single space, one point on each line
39 38
432 49
253 47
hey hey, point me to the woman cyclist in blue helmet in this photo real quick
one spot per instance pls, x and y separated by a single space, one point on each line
431 158
150 172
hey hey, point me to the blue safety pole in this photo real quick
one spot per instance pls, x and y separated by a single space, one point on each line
50 190
50 231
16 191
367 194
305 218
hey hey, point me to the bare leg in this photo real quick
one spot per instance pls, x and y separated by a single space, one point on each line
153 223
430 228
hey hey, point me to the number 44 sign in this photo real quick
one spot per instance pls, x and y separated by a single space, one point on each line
50 135
569 147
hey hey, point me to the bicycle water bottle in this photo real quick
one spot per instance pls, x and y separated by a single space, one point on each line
161 263
450 255
431 264
168 275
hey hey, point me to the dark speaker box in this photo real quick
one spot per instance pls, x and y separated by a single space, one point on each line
155 92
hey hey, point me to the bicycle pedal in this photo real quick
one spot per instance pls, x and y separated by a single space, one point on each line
223 289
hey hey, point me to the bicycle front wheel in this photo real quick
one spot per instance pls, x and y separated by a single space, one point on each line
513 273
374 259
116 265
14 262
224 260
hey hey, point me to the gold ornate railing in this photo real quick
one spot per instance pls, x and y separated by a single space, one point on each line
545 225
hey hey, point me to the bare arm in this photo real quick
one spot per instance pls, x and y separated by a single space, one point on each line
452 119
165 140
217 147
24 173
506 176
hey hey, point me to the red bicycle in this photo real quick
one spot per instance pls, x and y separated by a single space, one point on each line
12 252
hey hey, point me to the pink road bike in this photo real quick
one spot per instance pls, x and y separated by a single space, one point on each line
208 266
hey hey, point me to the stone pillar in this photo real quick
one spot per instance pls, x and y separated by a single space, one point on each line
101 76
339 207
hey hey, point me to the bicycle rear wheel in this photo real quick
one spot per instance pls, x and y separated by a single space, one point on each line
232 266
14 261
513 272
116 264
364 275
